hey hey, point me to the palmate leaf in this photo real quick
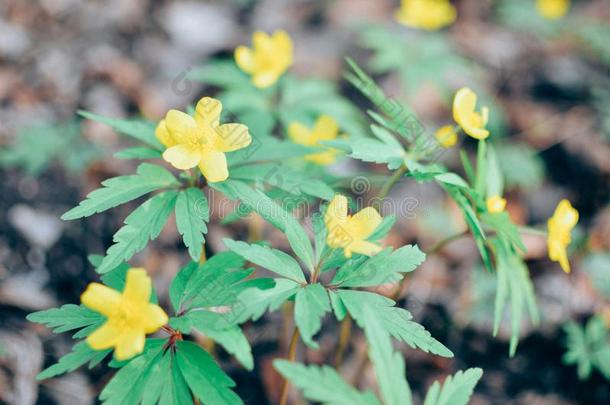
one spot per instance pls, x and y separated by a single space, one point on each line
268 258
384 267
588 347
144 223
323 384
81 354
272 213
167 376
456 390
311 303
514 285
192 213
67 317
396 321
119 190
370 150
139 129
256 302
389 365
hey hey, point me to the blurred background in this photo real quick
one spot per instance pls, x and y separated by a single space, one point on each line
546 82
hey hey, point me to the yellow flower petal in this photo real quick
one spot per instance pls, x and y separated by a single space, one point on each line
364 223
214 167
207 112
163 135
155 317
322 158
426 14
180 125
336 212
244 57
495 204
552 9
130 343
138 285
232 137
465 115
446 136
300 134
560 227
182 157
104 337
101 298
364 247
261 41
283 46
264 79
325 128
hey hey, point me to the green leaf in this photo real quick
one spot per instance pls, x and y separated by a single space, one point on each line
370 150
482 164
119 190
192 213
452 179
234 342
138 152
254 302
323 384
494 179
384 228
389 365
299 242
141 130
396 321
456 390
205 378
268 258
588 347
384 267
165 384
311 304
81 354
221 73
144 223
67 317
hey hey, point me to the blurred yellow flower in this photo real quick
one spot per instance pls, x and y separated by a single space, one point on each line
446 136
471 121
268 59
552 9
495 204
129 315
201 140
560 226
350 232
426 14
324 129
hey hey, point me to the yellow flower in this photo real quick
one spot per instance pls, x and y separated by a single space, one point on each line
446 136
201 140
427 14
560 226
129 316
268 59
552 9
471 121
495 204
350 232
325 129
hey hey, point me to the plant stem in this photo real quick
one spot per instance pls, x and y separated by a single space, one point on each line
292 354
202 257
346 327
385 189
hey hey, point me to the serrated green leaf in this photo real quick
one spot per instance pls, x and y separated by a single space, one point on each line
396 321
370 150
389 365
268 258
67 317
323 384
311 304
192 213
81 354
119 190
234 342
205 378
144 223
384 267
141 130
456 389
255 302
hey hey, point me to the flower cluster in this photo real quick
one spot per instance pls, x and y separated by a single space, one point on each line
269 57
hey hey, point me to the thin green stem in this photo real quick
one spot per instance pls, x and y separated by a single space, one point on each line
387 187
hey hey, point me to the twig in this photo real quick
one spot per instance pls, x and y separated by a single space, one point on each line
292 354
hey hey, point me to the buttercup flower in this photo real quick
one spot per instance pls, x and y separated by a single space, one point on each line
446 136
201 140
471 121
427 14
552 9
350 232
268 59
325 129
560 226
129 315
495 204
